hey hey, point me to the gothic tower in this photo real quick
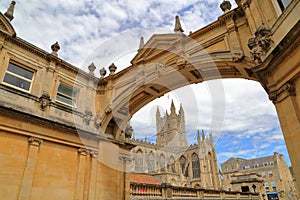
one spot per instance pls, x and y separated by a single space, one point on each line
171 128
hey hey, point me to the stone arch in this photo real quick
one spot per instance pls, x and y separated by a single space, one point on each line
151 162
172 164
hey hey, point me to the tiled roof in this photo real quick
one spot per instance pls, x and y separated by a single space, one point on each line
143 178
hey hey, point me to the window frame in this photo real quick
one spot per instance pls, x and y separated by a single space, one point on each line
73 98
19 65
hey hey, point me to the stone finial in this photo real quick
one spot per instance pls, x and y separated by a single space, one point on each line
10 11
112 69
102 72
178 28
142 43
91 68
225 6
55 48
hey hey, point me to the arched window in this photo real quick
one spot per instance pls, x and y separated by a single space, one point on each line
184 168
195 166
139 161
151 163
162 163
172 164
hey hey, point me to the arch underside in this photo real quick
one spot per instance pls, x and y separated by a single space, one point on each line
148 82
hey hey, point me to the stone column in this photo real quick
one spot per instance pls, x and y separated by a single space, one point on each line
79 190
25 188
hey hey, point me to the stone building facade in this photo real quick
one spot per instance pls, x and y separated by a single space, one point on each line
272 172
63 130
171 160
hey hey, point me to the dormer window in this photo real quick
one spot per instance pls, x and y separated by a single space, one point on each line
66 95
18 77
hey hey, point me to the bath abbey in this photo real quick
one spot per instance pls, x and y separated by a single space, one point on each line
172 161
65 132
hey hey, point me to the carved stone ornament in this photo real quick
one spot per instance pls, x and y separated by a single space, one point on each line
44 100
112 69
87 117
35 141
91 68
260 43
225 6
55 48
108 109
128 130
98 120
273 96
290 88
102 72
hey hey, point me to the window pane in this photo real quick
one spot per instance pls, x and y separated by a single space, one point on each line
64 100
20 83
65 90
20 71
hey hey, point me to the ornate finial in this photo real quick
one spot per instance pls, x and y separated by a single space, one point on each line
172 107
102 72
225 6
198 136
10 11
181 111
91 68
178 28
55 48
142 43
112 68
203 135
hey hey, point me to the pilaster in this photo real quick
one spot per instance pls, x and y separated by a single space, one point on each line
79 190
25 188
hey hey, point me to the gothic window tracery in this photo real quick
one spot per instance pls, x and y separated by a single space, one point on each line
195 166
139 161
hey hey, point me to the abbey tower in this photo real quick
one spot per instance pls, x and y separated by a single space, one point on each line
171 160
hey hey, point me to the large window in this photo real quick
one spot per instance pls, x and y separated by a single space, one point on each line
66 95
162 163
18 77
195 166
151 163
139 162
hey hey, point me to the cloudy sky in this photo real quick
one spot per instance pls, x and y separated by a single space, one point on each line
103 32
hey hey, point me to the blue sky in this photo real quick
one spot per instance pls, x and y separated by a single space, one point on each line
108 31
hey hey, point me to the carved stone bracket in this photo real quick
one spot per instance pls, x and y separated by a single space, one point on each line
260 43
83 151
288 89
98 120
44 100
125 159
34 141
87 117
94 154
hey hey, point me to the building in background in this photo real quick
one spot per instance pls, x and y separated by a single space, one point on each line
171 160
272 171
